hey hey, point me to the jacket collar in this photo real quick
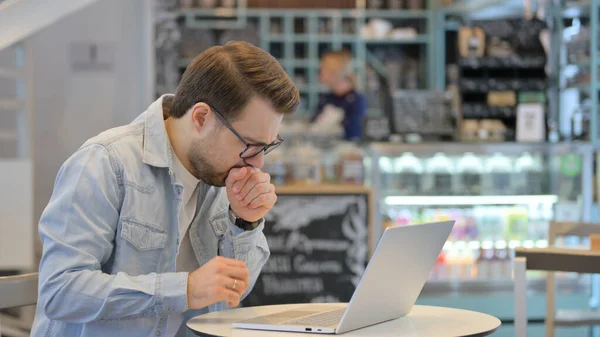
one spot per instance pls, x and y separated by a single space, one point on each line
156 141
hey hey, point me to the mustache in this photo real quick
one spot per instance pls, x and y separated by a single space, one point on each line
242 164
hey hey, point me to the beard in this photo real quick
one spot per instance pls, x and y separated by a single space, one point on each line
203 169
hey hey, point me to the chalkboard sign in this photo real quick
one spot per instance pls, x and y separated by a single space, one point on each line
319 249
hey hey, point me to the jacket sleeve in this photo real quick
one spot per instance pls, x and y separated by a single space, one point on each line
77 230
247 246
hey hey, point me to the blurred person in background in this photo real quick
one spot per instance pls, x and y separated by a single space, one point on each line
343 105
160 220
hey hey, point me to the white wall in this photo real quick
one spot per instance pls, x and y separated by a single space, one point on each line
72 106
8 88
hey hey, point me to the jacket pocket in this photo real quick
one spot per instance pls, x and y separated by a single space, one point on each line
142 236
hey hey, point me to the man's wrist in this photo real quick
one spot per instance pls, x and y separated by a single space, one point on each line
241 223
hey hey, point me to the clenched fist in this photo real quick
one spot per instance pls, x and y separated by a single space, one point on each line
250 193
221 279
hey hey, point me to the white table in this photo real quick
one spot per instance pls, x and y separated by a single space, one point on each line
423 321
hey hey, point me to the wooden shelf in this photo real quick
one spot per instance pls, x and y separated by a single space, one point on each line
420 39
397 14
321 189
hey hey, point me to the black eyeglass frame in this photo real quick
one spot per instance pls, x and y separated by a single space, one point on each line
266 148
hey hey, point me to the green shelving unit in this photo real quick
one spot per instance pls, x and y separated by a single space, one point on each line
576 12
297 39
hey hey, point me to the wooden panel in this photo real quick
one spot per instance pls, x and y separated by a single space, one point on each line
560 259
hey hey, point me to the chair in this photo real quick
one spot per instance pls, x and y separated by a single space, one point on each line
15 292
552 260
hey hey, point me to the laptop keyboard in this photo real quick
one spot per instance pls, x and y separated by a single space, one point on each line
325 319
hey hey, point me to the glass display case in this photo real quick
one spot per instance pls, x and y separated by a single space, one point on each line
502 196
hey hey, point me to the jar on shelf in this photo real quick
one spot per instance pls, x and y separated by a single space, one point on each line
374 4
440 171
388 176
396 4
351 164
305 166
187 3
409 171
469 172
415 4
329 165
276 166
207 3
499 174
228 3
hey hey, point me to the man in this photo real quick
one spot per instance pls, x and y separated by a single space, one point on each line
138 231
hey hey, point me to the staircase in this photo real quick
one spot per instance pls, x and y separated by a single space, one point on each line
21 18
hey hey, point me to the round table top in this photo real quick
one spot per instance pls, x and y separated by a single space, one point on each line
423 321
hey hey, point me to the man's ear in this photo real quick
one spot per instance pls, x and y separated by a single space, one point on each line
200 115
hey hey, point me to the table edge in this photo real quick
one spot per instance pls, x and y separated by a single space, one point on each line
479 334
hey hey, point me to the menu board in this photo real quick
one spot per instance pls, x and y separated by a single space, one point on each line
319 249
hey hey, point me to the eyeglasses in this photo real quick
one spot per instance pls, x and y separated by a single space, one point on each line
251 150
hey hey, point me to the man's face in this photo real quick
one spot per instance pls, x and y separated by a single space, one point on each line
327 75
330 72
216 150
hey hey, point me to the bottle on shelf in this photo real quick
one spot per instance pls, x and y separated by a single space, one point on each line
440 171
501 261
405 217
539 221
517 222
469 171
485 260
409 171
473 259
490 223
471 228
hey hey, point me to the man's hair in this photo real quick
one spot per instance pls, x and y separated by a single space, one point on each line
227 77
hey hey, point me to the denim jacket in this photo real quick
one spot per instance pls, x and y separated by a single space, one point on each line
110 237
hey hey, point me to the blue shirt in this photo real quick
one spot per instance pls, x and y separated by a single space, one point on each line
110 238
354 105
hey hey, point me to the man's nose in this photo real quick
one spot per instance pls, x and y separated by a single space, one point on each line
257 161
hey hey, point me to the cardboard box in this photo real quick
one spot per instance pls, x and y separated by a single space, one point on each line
502 98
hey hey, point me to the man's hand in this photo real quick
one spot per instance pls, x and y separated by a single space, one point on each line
214 282
250 193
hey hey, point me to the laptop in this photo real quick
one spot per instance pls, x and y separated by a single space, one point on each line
388 289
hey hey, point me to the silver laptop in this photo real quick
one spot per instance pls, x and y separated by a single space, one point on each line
387 290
